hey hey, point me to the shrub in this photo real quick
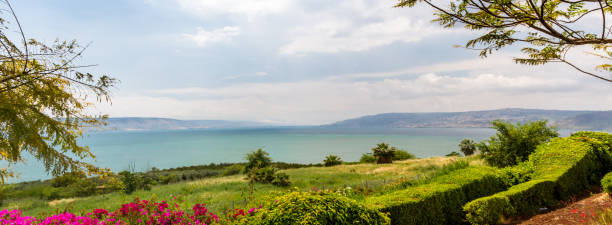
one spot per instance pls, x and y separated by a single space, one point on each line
67 179
606 183
134 181
467 147
281 180
453 154
522 199
367 158
268 175
332 160
383 153
513 143
262 175
440 201
316 209
561 168
402 155
233 170
170 178
257 159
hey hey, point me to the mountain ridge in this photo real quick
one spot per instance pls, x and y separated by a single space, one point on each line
565 119
157 123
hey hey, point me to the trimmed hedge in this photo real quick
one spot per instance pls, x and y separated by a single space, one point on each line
561 168
606 183
315 209
441 200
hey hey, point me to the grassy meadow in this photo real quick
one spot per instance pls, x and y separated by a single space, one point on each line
228 192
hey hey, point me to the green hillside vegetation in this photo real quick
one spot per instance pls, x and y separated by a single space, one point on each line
437 190
227 192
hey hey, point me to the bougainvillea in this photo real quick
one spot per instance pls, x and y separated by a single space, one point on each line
138 212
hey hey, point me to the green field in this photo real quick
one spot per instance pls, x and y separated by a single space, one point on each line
222 193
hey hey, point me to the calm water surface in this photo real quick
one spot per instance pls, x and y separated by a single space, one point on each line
174 148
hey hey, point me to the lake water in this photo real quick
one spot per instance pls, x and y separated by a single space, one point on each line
174 148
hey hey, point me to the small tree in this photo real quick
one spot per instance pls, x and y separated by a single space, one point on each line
467 147
332 160
44 101
257 159
383 153
513 143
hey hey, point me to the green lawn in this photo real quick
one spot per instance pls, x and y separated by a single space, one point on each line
222 193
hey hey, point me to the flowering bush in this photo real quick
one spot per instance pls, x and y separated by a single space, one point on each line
138 212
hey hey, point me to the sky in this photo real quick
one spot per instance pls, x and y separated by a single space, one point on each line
296 62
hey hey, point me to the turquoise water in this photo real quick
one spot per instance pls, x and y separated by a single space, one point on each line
174 148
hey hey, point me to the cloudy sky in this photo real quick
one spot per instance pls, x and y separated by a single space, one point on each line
295 61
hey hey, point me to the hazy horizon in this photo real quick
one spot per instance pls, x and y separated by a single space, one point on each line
296 61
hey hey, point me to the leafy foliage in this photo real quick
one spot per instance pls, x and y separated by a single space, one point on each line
316 209
383 153
467 147
257 159
402 155
548 29
135 181
606 183
440 201
453 154
43 101
367 158
332 160
559 169
514 142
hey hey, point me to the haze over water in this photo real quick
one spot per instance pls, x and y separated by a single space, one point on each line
175 148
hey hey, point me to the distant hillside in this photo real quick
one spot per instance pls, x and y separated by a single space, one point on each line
591 120
141 123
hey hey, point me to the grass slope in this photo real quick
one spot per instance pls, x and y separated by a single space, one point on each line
223 193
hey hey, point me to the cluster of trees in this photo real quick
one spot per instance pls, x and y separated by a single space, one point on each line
512 144
384 153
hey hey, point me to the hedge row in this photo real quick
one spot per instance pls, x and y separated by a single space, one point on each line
606 183
441 200
561 168
315 209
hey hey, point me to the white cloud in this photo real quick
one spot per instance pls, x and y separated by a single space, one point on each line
339 36
251 8
203 38
324 101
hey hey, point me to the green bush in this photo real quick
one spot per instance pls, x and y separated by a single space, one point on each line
402 155
523 199
560 169
513 143
281 180
315 209
518 174
134 181
257 159
268 175
233 170
453 154
383 153
262 175
332 160
170 178
367 158
606 183
440 201
67 179
467 147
